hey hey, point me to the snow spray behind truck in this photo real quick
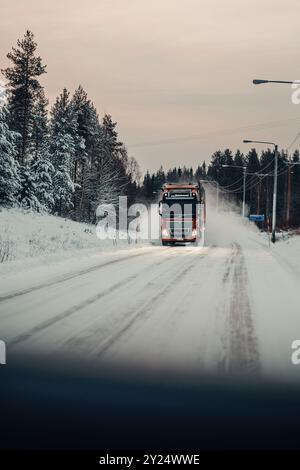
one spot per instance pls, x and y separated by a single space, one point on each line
183 213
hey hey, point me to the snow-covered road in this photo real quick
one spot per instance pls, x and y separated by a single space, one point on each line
230 307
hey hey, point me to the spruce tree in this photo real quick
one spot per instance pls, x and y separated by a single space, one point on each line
23 90
199 173
43 172
40 131
147 185
62 150
63 191
86 148
27 197
10 184
110 137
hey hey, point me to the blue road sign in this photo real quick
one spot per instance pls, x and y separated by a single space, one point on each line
257 217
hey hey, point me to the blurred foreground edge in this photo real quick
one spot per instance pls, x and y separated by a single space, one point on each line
77 415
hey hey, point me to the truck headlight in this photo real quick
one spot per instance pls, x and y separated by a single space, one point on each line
194 232
165 232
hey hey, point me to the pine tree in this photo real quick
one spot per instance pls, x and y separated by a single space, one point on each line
86 148
227 173
114 151
40 131
110 137
239 159
200 172
63 191
147 185
109 167
43 171
10 184
3 93
216 171
101 187
27 198
62 150
160 178
237 176
253 164
134 178
23 90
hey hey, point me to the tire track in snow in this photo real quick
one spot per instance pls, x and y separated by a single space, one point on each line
71 276
240 342
147 308
67 313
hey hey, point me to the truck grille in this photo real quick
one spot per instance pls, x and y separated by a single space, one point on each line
180 230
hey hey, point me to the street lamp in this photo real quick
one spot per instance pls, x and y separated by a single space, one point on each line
260 82
275 181
244 183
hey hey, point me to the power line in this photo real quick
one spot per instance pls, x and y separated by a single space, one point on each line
260 171
264 125
232 184
250 185
293 141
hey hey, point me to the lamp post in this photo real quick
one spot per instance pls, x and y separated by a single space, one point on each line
257 81
285 82
275 181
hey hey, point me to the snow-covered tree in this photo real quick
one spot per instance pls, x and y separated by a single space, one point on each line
3 93
102 186
27 197
85 145
62 150
40 131
63 188
43 171
23 89
10 184
114 151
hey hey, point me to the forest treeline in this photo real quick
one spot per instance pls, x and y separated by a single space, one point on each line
226 170
66 160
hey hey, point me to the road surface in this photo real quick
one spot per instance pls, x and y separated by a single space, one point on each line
229 307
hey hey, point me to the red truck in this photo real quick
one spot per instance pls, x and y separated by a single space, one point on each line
183 213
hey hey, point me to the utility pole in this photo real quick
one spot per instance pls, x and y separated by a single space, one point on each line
268 211
218 171
275 181
258 196
288 202
244 190
289 189
275 194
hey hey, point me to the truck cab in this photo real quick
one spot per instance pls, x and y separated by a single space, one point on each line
182 211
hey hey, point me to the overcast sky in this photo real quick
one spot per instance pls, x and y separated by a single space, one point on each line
175 74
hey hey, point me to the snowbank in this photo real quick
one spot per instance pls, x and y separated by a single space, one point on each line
28 235
287 251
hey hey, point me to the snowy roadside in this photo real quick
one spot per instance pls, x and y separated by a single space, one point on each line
267 281
273 273
287 251
31 241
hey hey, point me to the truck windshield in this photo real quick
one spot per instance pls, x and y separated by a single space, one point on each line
172 207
